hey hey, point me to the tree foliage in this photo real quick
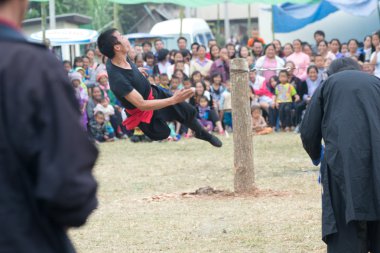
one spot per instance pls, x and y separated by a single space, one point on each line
101 12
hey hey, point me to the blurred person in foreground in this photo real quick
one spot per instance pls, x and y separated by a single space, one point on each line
46 158
344 113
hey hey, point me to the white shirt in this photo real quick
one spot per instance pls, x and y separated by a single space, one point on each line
377 66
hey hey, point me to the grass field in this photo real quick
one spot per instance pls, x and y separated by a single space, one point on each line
131 218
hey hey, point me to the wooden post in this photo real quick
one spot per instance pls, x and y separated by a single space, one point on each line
242 125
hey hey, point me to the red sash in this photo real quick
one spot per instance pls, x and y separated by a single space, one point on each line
136 116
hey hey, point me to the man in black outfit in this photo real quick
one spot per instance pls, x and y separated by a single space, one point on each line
345 111
148 107
46 184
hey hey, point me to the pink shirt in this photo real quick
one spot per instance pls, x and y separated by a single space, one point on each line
270 64
302 62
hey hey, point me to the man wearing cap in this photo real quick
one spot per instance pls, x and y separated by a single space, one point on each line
345 113
46 184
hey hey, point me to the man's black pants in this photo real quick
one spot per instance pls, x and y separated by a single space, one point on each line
183 112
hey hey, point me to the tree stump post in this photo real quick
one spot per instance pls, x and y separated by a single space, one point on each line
242 127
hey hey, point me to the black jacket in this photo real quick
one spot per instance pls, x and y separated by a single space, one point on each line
345 113
46 183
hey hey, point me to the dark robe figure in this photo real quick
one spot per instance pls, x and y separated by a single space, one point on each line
345 113
46 158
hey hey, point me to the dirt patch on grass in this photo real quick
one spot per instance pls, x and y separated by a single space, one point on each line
211 193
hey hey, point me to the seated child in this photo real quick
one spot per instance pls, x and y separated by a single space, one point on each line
98 128
108 111
203 114
259 125
164 83
174 84
105 108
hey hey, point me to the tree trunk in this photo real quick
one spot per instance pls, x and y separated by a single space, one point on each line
242 126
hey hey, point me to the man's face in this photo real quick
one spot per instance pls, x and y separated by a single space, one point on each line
194 49
147 48
86 63
150 61
138 50
159 45
182 44
252 76
318 38
124 46
257 48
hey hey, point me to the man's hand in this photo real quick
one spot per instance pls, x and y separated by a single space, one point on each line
182 95
143 71
297 98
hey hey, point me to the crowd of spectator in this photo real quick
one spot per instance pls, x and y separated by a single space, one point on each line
282 81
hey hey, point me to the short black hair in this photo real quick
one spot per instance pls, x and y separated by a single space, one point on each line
230 45
157 40
64 62
353 40
99 113
319 32
162 54
88 50
257 41
343 64
194 44
269 45
337 40
312 67
204 98
283 71
181 38
164 75
106 42
146 43
201 46
148 55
